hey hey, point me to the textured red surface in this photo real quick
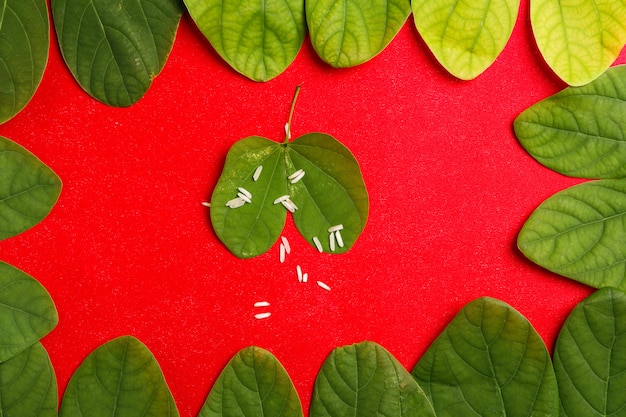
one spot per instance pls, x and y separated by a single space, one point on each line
129 248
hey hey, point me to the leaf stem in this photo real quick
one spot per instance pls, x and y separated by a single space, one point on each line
293 106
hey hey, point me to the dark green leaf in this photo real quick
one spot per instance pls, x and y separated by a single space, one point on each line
331 193
489 361
589 360
579 39
28 189
580 131
24 44
116 48
119 379
27 313
580 233
346 33
465 36
253 384
366 380
257 38
28 386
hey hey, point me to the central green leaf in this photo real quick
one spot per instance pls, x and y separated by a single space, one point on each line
489 361
315 177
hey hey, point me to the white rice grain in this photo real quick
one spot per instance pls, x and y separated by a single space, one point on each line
331 241
298 178
206 204
282 253
339 238
296 174
318 244
257 173
286 243
235 203
305 277
261 304
281 199
335 228
289 205
323 285
261 316
244 192
299 272
244 197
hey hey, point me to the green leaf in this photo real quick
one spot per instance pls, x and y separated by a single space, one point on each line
579 39
120 378
258 38
28 189
346 33
589 360
24 44
580 131
27 313
364 380
115 49
254 383
580 233
465 36
331 193
28 386
489 361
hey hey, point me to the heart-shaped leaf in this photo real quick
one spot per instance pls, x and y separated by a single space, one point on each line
27 312
28 189
258 38
364 380
489 361
315 177
579 233
119 379
254 383
589 360
579 39
580 131
115 49
28 386
465 36
346 33
24 44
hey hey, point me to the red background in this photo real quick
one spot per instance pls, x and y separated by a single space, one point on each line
129 249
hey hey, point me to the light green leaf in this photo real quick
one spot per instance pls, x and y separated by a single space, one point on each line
115 49
119 379
28 386
258 38
363 380
24 44
28 189
489 361
346 33
580 131
254 383
580 233
27 313
465 36
589 360
331 193
579 39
